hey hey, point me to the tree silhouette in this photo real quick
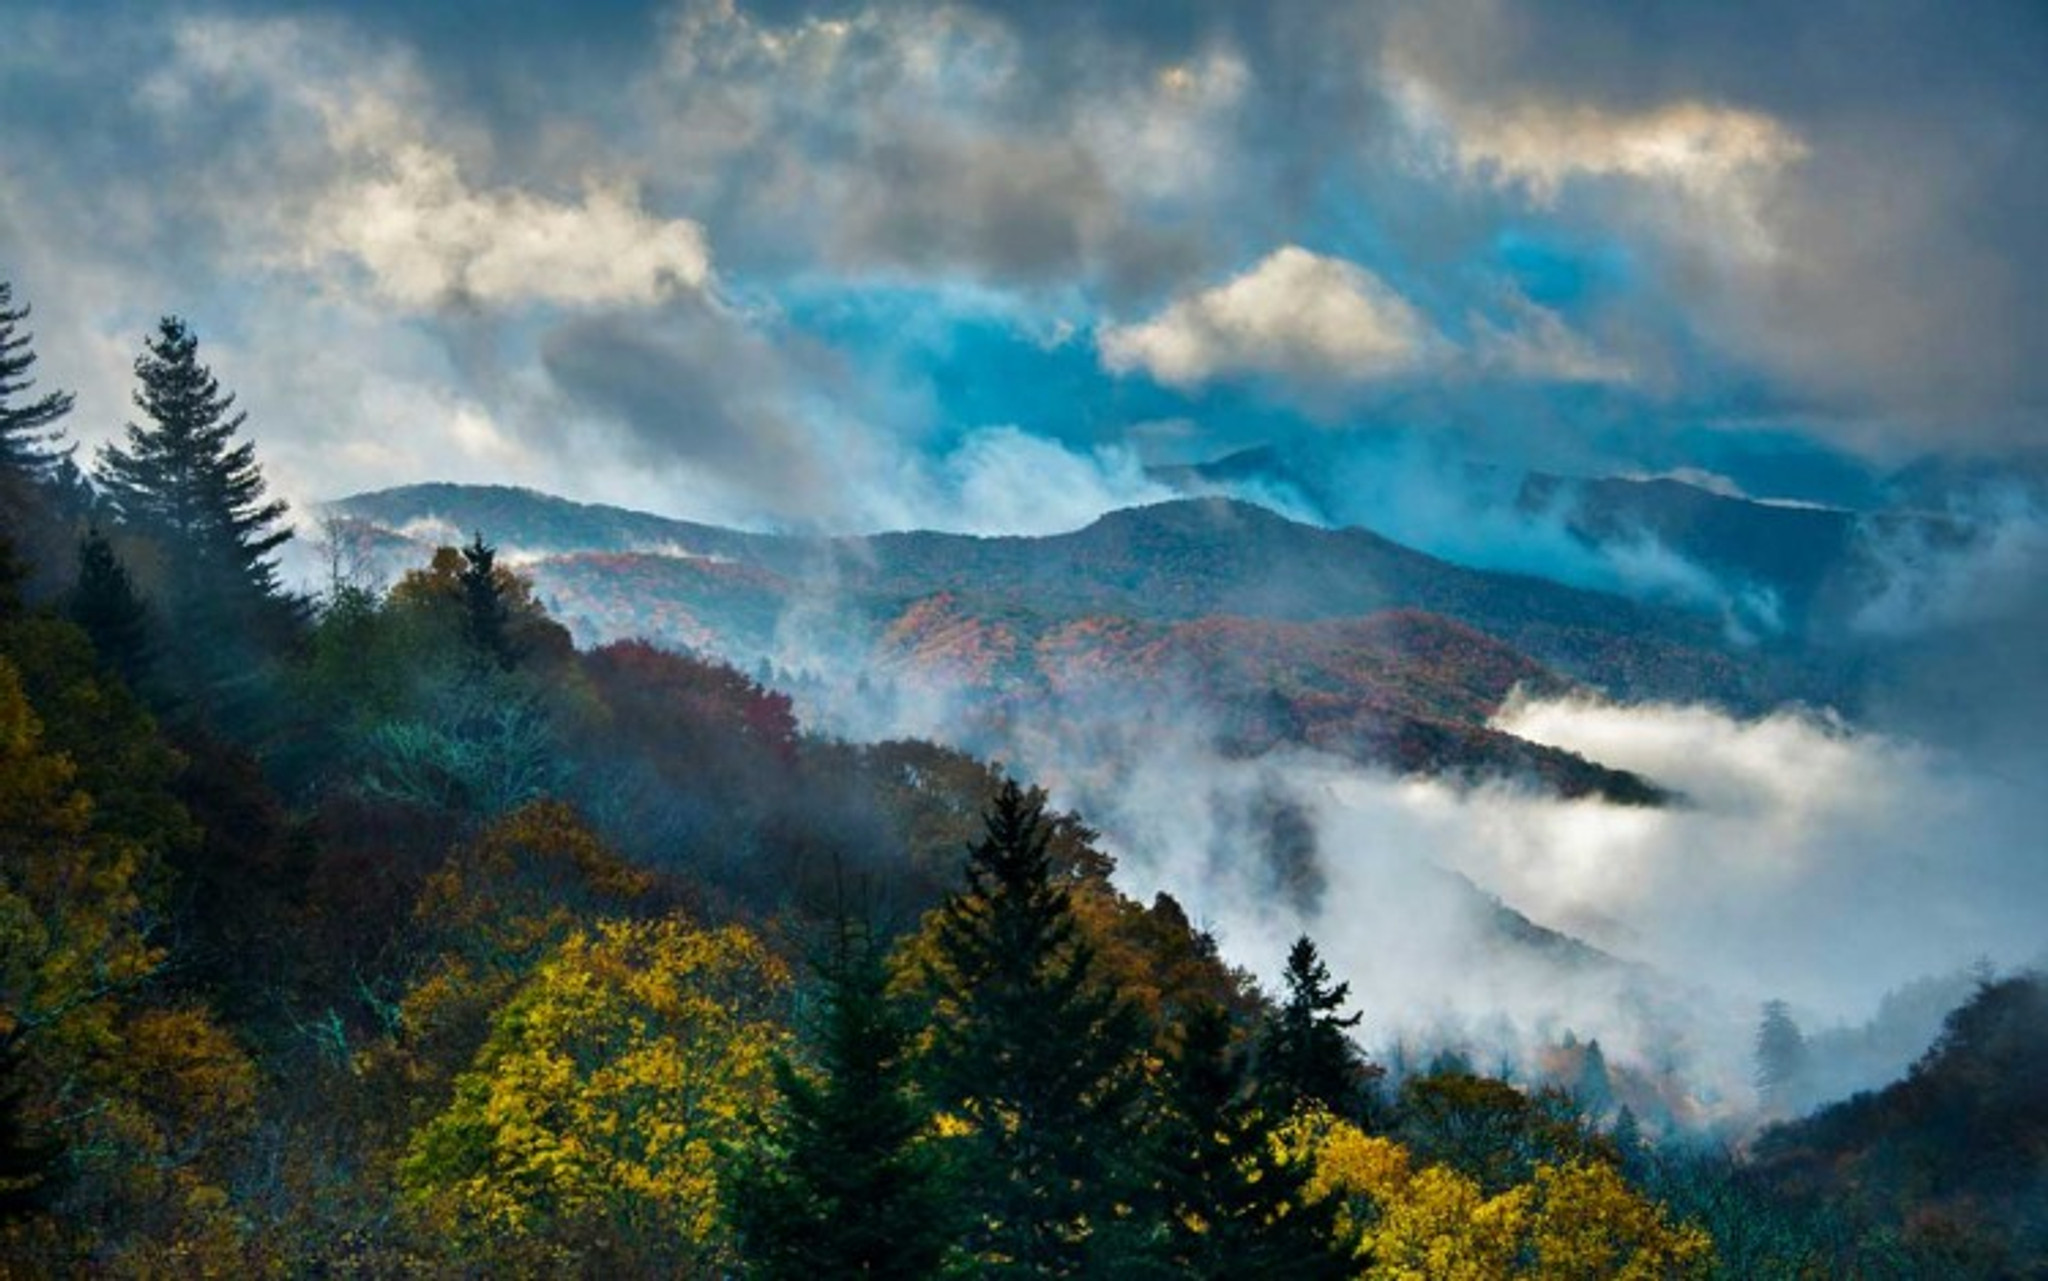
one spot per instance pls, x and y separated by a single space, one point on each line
1030 1049
1305 1054
30 441
183 481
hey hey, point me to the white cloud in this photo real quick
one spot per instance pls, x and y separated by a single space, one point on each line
428 239
1295 314
1702 148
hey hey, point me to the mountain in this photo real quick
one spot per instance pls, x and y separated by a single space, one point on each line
1277 632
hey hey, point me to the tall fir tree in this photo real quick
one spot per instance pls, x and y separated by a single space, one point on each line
1305 1051
1781 1059
1229 1206
184 477
1033 1051
486 616
847 1183
184 481
31 442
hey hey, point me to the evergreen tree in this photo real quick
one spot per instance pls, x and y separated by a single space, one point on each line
104 602
30 441
182 477
1031 1050
1594 1088
486 616
1230 1207
846 1185
184 481
1780 1059
1305 1054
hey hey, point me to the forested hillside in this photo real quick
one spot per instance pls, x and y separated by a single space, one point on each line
387 933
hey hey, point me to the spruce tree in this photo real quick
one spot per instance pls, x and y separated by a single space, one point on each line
846 1184
1228 1206
182 476
184 481
486 618
1032 1050
31 443
104 602
1781 1059
1305 1053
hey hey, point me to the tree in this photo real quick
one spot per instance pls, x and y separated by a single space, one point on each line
182 476
183 481
104 602
584 1140
1030 1052
486 616
845 1184
30 441
1232 1206
1781 1059
1305 1054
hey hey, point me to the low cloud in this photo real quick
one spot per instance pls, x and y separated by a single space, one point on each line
1293 315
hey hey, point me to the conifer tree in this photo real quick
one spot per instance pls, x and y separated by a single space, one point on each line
846 1185
30 441
1032 1051
486 616
1781 1058
1230 1206
104 602
182 476
184 481
1305 1054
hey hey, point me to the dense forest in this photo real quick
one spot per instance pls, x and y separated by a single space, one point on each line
383 932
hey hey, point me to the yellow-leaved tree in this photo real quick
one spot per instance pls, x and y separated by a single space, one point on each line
1579 1219
135 1104
590 1130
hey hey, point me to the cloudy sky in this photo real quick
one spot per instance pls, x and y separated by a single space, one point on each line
975 265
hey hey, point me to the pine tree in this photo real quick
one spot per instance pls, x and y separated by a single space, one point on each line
30 441
486 616
183 481
1305 1054
104 602
847 1185
1230 1207
1781 1055
1031 1050
183 478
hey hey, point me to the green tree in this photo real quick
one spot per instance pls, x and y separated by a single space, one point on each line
486 616
1031 1053
1305 1053
104 602
30 441
845 1184
1232 1205
183 476
1781 1059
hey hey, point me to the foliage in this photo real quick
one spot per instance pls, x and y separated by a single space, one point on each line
1306 1058
1577 1219
1029 1050
30 441
846 1182
596 1112
1232 1204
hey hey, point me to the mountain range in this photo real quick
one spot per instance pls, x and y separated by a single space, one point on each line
1276 632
